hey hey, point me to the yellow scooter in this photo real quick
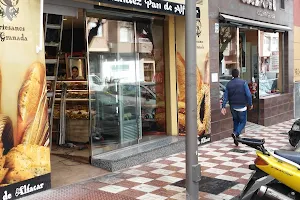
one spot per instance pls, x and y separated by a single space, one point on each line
276 174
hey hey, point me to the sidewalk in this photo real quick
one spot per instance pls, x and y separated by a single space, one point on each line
224 173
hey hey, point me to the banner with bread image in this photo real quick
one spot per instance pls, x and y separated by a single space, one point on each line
24 136
202 73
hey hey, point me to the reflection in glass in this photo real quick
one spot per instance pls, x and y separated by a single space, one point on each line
126 81
228 56
269 68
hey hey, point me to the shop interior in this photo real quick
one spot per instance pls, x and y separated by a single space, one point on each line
109 89
256 53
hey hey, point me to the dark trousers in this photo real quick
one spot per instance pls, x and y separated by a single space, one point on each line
239 121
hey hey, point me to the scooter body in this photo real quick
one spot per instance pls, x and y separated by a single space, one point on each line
284 172
282 168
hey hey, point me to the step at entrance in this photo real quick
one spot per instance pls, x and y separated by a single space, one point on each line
140 153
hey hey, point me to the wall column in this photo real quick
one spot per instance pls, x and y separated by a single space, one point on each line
170 77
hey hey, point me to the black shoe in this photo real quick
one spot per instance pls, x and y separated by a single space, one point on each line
234 139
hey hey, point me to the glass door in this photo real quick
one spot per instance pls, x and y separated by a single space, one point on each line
114 84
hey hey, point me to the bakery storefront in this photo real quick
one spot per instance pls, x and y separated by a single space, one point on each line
257 38
113 73
117 78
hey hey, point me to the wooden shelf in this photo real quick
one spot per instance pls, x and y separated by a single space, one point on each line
59 99
72 81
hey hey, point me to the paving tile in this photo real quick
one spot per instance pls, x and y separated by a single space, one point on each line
222 158
175 159
140 180
132 193
93 185
232 192
232 164
238 187
164 192
166 162
208 164
146 168
127 184
224 167
226 196
241 170
179 196
158 183
178 175
151 197
173 168
113 189
169 179
215 171
174 188
162 172
227 178
135 172
151 175
156 165
145 188
179 164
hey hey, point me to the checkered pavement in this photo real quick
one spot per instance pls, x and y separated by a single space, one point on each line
153 181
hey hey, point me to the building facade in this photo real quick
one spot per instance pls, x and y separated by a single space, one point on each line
121 75
257 38
297 58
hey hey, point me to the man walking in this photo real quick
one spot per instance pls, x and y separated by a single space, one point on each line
238 94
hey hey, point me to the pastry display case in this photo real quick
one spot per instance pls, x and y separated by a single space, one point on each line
116 113
72 97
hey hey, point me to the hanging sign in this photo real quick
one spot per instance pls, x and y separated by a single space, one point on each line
152 5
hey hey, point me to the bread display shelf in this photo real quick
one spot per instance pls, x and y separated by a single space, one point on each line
74 91
59 99
72 81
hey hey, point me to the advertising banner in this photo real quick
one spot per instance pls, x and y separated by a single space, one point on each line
203 73
24 136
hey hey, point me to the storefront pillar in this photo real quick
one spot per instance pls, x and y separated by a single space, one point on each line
170 77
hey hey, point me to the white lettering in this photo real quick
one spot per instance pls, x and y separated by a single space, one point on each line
180 9
6 196
168 7
131 2
26 189
266 4
151 4
204 140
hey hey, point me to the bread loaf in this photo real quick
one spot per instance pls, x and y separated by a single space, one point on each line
35 130
29 98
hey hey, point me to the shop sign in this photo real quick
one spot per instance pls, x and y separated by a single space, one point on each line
153 5
204 139
24 142
266 4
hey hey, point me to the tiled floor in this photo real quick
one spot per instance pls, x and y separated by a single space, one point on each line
218 160
65 171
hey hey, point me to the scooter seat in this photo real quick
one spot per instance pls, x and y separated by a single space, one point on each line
290 155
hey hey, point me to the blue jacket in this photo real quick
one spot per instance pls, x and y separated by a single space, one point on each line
237 93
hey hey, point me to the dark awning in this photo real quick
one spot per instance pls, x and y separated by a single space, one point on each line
250 22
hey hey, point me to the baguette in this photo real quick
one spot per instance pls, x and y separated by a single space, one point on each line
35 130
29 98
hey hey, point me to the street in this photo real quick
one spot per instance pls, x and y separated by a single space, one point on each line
224 172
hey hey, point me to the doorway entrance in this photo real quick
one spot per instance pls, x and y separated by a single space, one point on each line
126 70
257 55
